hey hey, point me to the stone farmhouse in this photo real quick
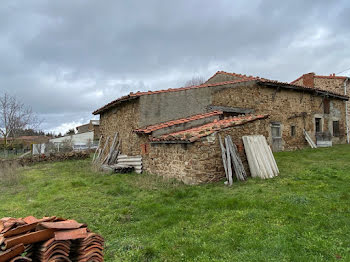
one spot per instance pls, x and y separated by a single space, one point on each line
176 130
332 83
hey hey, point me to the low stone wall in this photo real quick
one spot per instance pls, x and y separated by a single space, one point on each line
43 158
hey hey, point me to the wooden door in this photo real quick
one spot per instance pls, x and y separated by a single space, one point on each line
276 137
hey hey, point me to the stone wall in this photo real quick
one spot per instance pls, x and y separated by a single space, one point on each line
53 157
287 107
330 84
201 161
122 119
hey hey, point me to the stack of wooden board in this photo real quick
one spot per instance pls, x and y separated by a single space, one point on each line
230 158
103 156
260 158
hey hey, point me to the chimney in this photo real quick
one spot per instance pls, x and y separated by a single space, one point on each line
308 80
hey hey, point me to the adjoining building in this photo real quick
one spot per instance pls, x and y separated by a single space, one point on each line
176 130
332 83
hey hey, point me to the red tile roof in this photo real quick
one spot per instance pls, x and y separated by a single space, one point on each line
332 76
194 134
243 78
150 129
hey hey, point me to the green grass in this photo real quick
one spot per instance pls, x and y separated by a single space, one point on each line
302 215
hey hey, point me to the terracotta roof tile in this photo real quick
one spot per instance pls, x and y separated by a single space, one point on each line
194 134
243 78
150 129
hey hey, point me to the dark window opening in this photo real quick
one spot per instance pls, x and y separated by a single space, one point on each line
318 125
336 128
276 130
326 106
292 130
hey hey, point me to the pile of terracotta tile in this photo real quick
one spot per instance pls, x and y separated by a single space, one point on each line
48 239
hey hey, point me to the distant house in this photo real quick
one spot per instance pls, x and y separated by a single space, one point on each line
76 141
86 137
92 126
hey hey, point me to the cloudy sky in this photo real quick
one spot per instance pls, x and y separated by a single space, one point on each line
67 58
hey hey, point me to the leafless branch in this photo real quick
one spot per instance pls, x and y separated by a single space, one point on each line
14 116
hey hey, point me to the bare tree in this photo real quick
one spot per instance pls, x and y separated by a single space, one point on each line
195 81
14 115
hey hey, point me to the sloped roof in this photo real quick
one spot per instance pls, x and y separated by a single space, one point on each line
138 94
150 129
331 76
194 134
242 78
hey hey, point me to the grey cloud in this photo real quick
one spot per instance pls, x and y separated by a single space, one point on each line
67 58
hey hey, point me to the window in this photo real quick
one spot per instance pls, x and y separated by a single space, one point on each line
318 125
276 130
292 130
336 128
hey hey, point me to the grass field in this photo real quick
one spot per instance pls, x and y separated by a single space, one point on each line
302 215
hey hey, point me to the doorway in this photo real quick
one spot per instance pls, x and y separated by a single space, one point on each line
276 136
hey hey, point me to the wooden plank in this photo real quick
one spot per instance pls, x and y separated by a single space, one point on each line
98 147
238 165
223 155
229 169
104 148
98 154
117 152
112 147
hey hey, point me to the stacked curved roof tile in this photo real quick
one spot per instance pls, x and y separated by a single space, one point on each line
194 134
48 239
